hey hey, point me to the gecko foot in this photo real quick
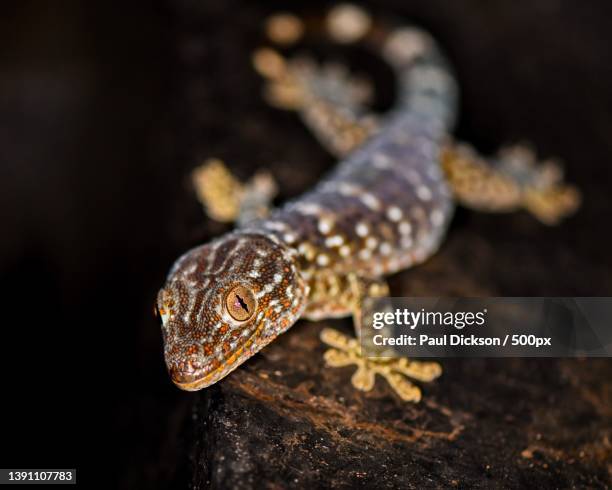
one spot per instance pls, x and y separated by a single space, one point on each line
226 199
545 195
513 179
295 83
346 351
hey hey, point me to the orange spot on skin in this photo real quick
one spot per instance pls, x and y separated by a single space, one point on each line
223 329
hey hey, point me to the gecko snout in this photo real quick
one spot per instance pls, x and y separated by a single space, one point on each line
184 371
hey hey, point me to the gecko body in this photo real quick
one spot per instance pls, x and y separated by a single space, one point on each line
385 208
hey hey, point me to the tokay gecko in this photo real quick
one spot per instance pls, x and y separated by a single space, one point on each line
384 208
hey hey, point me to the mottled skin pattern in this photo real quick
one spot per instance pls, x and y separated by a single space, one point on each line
203 341
385 208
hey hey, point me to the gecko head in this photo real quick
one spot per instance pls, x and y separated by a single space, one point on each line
225 301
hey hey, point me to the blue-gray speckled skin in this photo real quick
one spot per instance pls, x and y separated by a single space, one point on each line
388 202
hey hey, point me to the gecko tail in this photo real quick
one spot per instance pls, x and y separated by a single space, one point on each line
425 82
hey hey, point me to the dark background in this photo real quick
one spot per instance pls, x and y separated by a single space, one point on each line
104 109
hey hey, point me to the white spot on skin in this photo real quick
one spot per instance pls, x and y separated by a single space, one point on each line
437 217
334 241
345 251
371 242
347 189
370 201
365 254
394 213
289 237
423 193
404 228
322 260
382 161
306 250
385 248
307 208
325 225
275 225
404 45
362 230
274 238
254 274
347 23
278 278
267 288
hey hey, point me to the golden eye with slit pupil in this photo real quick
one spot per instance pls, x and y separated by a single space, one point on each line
240 303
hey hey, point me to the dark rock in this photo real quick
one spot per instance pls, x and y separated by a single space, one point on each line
285 420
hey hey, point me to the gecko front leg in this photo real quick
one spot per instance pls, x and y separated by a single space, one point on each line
369 359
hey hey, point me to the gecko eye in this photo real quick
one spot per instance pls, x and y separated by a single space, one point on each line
240 303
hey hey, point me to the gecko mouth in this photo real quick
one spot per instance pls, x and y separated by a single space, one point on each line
193 375
199 378
184 373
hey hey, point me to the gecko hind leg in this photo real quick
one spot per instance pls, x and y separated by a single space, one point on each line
227 200
330 101
371 360
513 180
